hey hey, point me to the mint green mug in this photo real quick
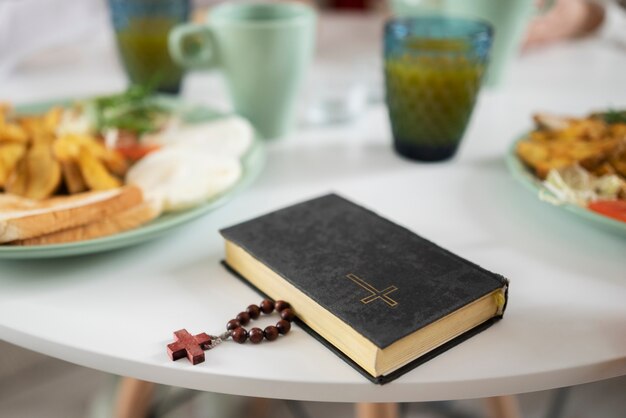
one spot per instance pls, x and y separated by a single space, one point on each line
263 50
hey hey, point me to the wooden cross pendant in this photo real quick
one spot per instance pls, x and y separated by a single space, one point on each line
190 346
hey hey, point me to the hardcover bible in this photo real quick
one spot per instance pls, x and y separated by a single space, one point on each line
382 297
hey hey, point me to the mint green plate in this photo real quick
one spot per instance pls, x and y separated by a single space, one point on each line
252 163
525 176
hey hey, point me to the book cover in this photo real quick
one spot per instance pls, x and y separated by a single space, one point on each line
350 271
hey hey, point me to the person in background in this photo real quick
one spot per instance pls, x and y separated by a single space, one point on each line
571 19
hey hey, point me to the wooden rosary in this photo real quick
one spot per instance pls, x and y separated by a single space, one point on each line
193 346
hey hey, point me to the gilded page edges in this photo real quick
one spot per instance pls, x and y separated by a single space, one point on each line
501 299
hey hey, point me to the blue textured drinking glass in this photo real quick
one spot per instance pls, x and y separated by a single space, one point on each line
434 66
141 29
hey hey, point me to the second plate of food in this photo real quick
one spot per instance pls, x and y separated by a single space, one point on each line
576 165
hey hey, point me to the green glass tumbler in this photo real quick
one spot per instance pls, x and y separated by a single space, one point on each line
434 67
141 30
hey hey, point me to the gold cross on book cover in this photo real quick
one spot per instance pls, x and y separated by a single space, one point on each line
375 294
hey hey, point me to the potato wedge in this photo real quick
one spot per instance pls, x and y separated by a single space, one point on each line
44 139
4 109
592 143
73 178
51 120
10 155
37 175
618 160
532 152
32 125
67 148
11 132
115 162
95 173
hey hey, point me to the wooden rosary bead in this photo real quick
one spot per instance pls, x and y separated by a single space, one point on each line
192 347
267 306
255 335
243 318
239 335
281 305
283 326
270 332
287 314
253 311
232 324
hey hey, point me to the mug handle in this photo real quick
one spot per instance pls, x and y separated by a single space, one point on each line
544 7
202 54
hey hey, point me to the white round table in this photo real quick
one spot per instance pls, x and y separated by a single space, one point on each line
566 319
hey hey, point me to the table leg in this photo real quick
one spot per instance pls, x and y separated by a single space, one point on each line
134 398
503 407
376 410
257 408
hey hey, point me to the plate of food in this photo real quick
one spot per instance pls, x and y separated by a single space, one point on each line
577 164
86 176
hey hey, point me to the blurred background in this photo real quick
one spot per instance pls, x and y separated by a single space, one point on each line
42 41
33 385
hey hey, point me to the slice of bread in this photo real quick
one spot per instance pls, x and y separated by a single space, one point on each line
21 218
114 223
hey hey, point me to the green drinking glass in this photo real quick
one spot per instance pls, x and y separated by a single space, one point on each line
141 29
434 67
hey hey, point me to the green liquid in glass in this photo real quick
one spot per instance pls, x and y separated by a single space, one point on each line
430 95
143 47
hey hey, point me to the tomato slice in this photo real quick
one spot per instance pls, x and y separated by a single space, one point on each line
615 209
136 152
129 145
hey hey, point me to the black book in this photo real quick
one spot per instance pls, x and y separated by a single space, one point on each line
379 295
